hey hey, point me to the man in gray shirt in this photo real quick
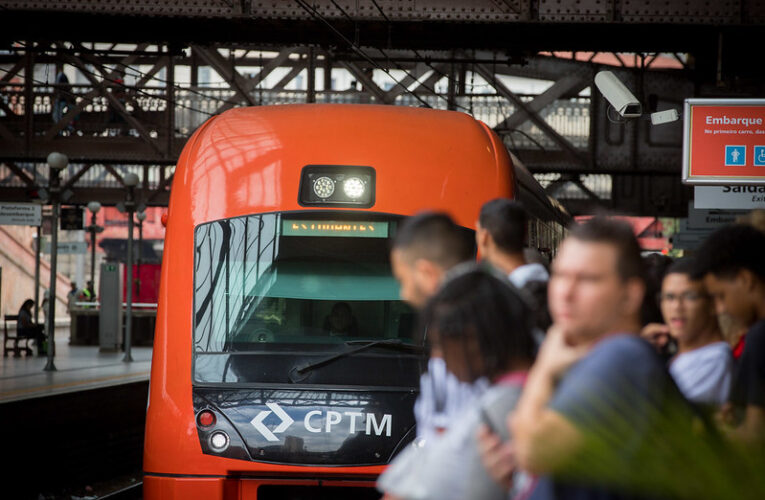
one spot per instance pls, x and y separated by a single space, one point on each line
591 413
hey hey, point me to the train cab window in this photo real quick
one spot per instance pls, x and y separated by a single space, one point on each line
274 288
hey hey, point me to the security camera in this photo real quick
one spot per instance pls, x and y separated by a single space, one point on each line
618 95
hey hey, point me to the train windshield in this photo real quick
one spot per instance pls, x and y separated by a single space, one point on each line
277 291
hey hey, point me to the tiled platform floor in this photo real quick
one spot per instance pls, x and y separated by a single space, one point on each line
78 368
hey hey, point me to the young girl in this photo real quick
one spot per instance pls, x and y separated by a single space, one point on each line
483 328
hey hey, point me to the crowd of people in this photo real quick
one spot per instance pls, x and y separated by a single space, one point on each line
605 375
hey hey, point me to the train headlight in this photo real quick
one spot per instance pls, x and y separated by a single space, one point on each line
323 187
353 188
337 185
219 441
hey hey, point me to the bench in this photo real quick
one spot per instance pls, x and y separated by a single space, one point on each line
14 338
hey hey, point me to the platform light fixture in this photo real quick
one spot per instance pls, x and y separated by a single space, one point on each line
131 181
93 229
57 162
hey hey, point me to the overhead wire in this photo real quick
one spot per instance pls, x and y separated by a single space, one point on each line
312 11
420 56
416 53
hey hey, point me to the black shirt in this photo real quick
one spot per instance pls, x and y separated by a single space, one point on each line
749 377
25 319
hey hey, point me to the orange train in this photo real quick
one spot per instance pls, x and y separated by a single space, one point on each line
284 363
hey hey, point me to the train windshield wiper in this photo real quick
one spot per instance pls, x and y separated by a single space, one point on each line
300 373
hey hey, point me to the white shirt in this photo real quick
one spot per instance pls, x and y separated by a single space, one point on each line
704 374
528 272
443 399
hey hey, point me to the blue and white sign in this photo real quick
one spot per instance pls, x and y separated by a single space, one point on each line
735 156
759 156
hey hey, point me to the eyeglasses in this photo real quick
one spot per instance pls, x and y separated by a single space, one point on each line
682 297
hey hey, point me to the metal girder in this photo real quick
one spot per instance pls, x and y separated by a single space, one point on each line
21 174
114 174
575 154
227 72
366 80
10 73
566 85
411 77
240 84
162 189
542 143
427 85
391 11
86 99
295 71
120 107
73 179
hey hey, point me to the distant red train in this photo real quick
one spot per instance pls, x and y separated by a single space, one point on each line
284 363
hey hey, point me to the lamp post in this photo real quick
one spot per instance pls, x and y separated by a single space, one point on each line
38 249
141 216
93 229
56 162
131 181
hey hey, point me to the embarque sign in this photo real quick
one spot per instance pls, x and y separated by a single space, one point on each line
724 141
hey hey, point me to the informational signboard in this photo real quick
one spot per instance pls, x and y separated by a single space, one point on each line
730 197
66 247
724 141
71 218
688 241
20 214
711 218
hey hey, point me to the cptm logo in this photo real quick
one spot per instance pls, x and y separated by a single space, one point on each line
316 421
257 422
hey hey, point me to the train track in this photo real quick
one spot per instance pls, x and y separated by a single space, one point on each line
132 492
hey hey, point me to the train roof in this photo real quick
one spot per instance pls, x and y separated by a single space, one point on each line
248 160
535 199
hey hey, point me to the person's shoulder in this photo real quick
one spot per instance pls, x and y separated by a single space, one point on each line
622 344
715 350
755 338
757 330
622 353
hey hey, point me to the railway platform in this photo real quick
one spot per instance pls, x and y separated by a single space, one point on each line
78 368
88 416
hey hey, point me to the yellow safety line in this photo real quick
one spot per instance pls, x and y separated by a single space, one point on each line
71 384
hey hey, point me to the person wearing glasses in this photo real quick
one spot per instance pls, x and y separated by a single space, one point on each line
703 365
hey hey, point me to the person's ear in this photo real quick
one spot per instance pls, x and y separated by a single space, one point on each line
482 239
745 279
429 275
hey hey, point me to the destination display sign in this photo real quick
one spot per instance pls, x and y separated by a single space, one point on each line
724 141
356 229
